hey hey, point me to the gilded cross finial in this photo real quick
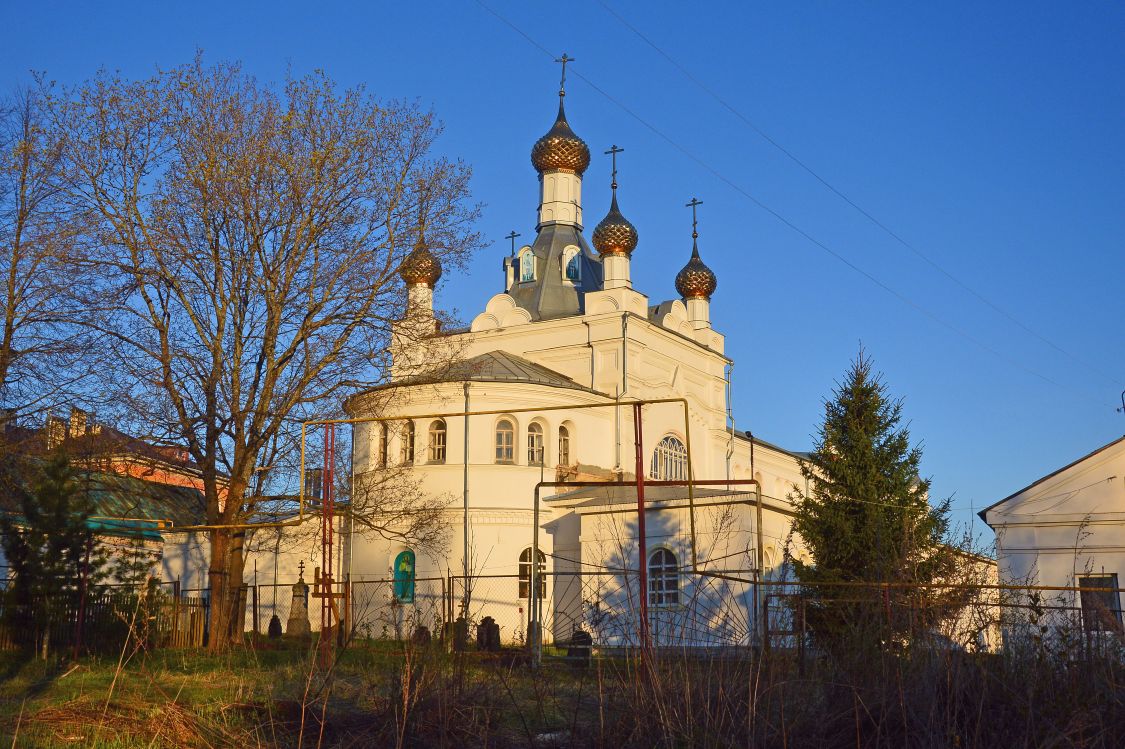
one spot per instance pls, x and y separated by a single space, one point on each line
562 82
613 151
512 236
694 223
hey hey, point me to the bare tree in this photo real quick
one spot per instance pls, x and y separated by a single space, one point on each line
39 342
249 239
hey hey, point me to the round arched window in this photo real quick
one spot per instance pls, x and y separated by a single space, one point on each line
534 445
669 460
564 446
505 441
525 574
437 441
663 578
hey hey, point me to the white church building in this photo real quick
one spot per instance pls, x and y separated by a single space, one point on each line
549 371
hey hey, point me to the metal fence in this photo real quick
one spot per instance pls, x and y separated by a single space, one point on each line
103 619
684 610
1072 620
370 608
688 610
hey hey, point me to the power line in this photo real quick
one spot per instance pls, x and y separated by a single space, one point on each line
778 216
862 211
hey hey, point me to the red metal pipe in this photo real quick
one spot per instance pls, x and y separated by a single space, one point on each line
641 537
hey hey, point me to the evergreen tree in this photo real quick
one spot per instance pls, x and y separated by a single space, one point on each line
867 523
47 548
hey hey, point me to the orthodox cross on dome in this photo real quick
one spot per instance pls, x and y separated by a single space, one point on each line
612 152
694 223
562 82
301 569
512 236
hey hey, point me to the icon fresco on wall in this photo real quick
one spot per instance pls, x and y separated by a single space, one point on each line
404 577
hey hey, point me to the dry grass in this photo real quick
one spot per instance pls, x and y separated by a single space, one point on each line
389 694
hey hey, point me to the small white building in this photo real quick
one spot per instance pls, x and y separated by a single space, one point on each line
1067 529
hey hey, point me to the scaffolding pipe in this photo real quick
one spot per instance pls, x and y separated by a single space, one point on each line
729 575
642 541
465 508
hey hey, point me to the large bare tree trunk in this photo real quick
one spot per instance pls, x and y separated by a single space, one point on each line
225 575
218 575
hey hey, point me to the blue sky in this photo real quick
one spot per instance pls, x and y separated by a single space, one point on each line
990 139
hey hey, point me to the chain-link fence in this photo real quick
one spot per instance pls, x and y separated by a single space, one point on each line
371 609
694 610
682 609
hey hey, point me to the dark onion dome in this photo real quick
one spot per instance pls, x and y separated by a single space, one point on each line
420 266
696 280
560 149
614 235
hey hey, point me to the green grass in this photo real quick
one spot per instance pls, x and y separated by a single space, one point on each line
253 696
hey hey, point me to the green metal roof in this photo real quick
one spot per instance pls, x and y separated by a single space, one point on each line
130 507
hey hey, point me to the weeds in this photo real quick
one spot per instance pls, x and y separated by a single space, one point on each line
382 693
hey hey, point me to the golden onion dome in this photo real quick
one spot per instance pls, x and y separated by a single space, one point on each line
420 266
696 280
614 234
560 149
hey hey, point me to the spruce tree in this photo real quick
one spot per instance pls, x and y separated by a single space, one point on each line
868 525
47 549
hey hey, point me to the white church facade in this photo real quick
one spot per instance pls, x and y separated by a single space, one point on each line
549 371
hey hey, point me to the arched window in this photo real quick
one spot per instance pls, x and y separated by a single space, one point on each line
669 461
406 454
437 441
525 574
383 444
564 446
571 262
663 578
505 441
527 265
534 445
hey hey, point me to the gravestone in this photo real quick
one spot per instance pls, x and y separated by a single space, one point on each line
488 635
274 630
298 624
421 636
578 650
460 634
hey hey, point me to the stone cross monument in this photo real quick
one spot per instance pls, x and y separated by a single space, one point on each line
298 623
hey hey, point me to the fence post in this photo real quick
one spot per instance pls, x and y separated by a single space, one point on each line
82 599
348 606
765 623
176 613
255 608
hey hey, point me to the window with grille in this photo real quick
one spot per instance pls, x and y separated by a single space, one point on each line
534 445
406 454
437 441
663 578
1101 604
669 461
505 442
525 574
383 458
564 446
